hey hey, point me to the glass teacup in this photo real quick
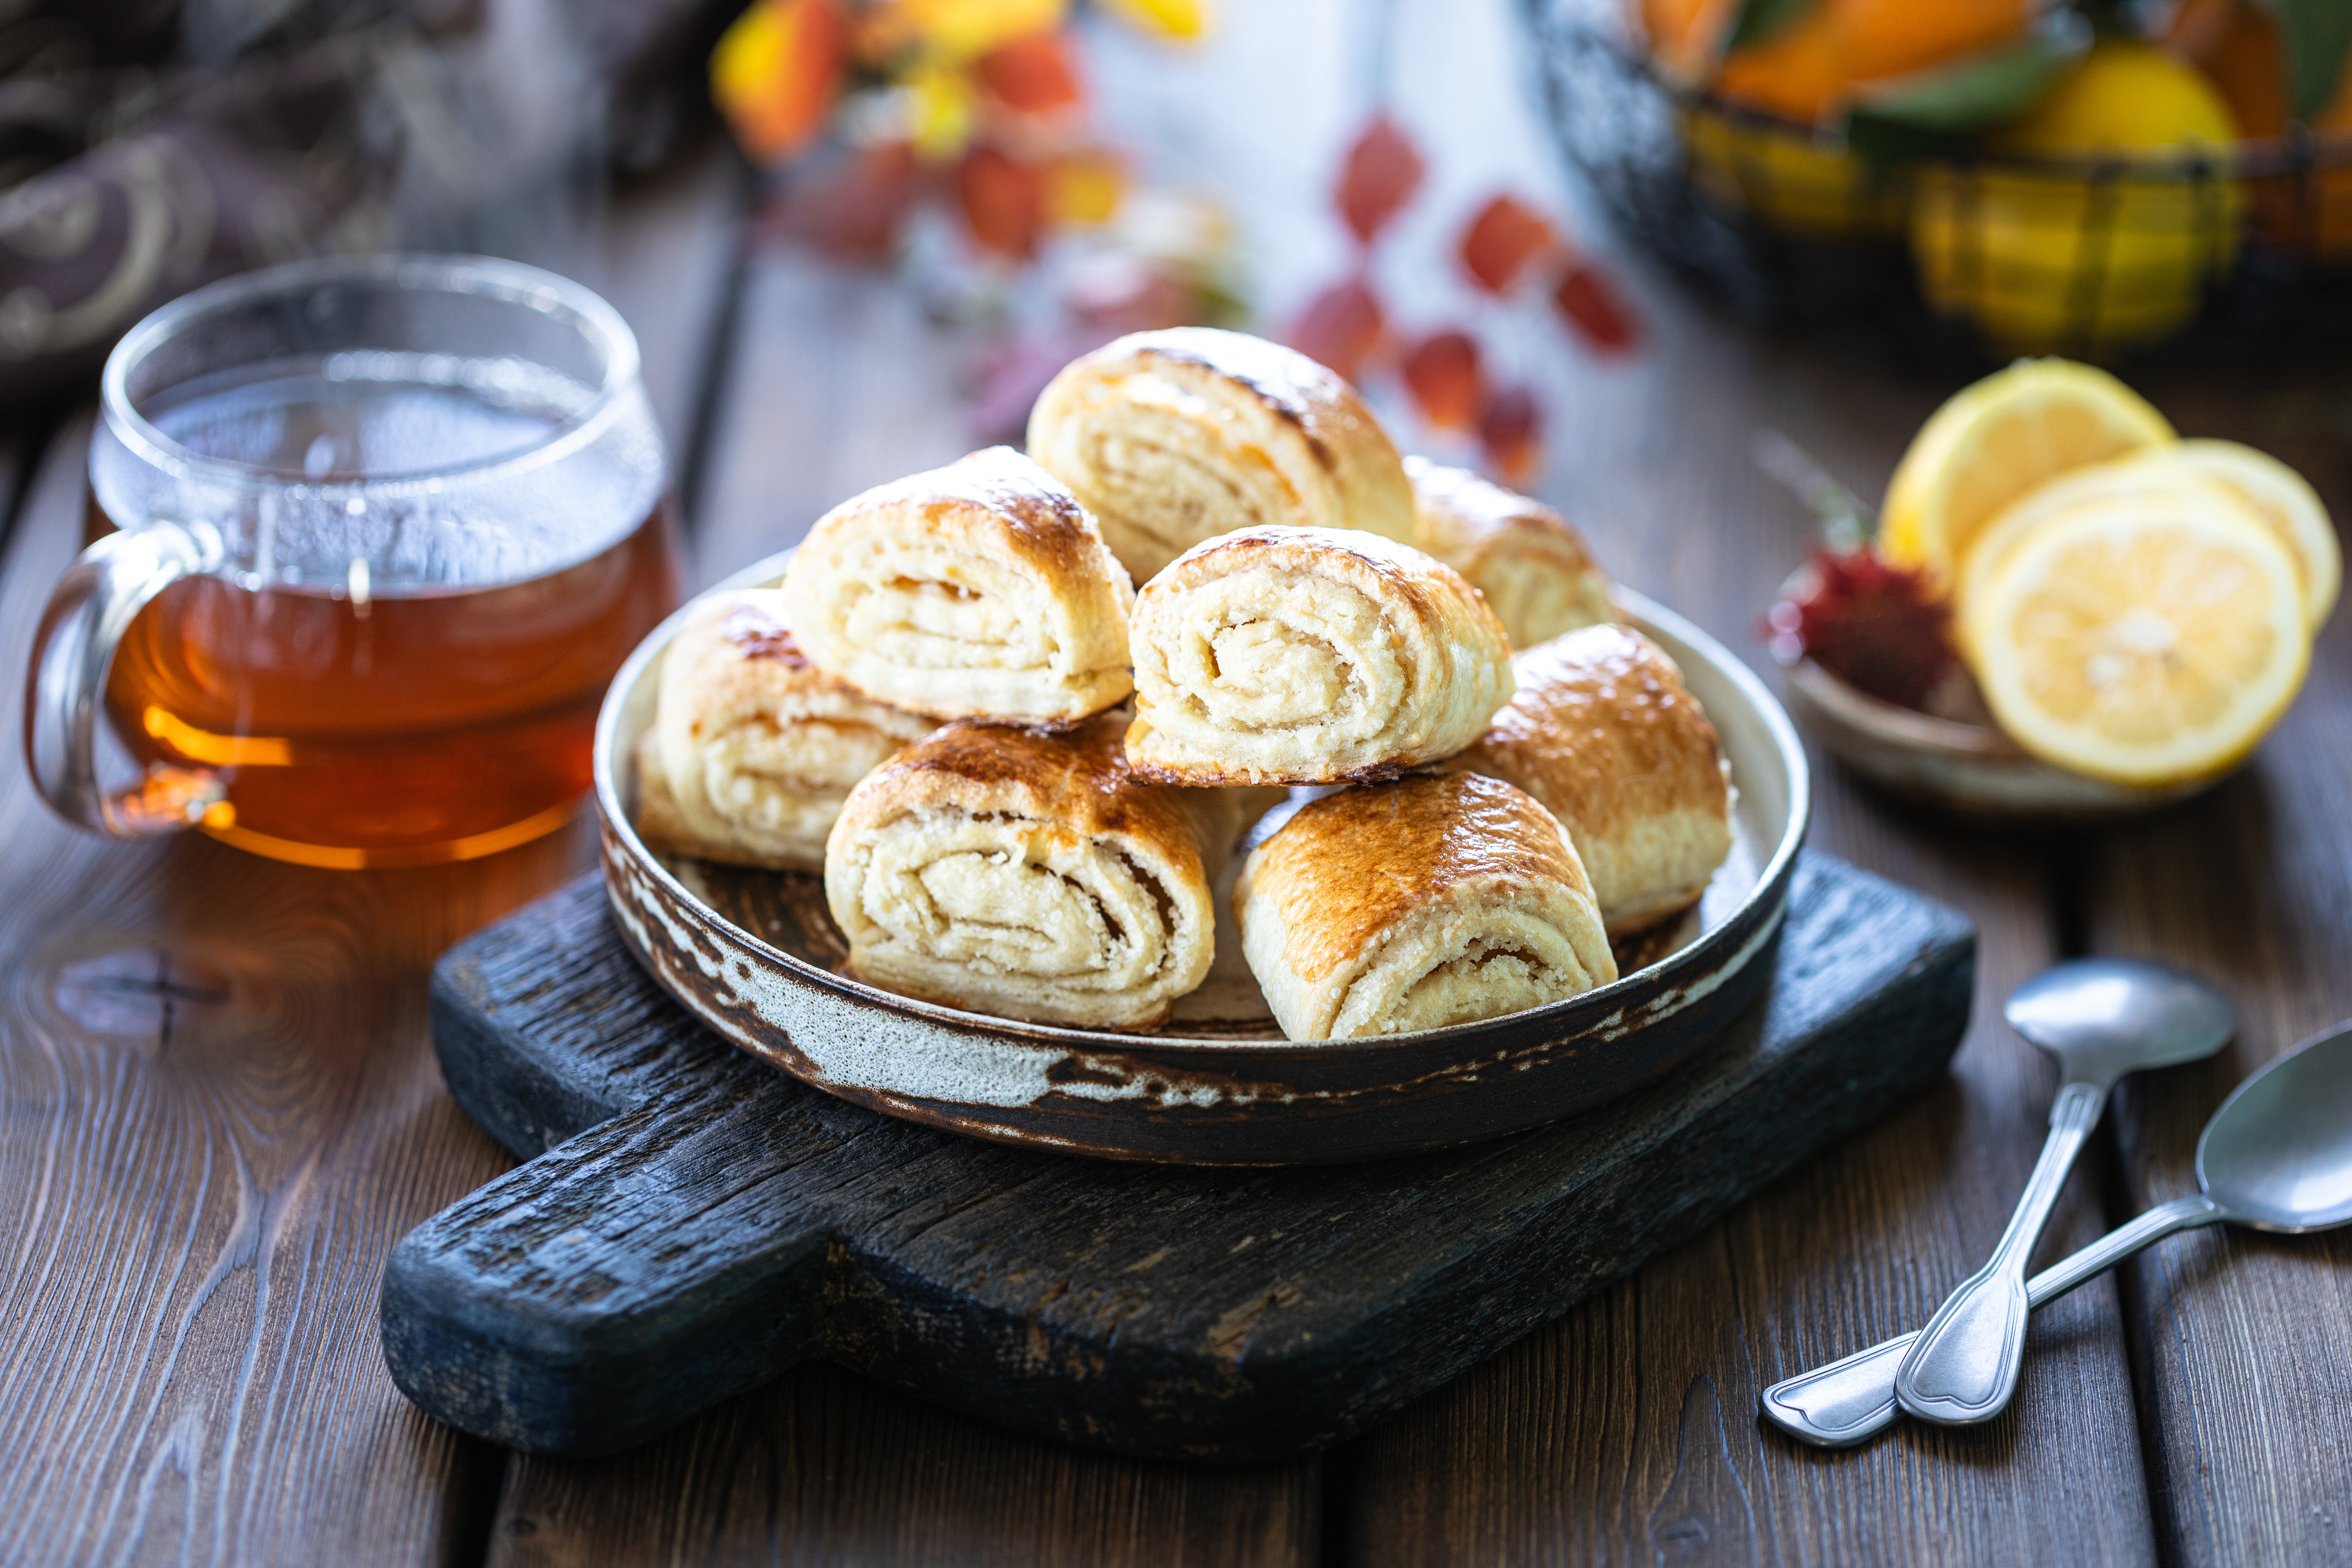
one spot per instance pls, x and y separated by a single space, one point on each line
372 536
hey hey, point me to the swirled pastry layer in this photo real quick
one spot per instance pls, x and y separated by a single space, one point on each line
1537 577
1307 656
979 590
1034 876
1171 438
1604 733
1417 903
753 748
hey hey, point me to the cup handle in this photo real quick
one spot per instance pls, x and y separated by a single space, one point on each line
64 687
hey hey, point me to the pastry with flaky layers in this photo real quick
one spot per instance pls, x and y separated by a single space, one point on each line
1178 436
1537 577
1425 901
1309 656
752 748
1604 733
1032 875
979 590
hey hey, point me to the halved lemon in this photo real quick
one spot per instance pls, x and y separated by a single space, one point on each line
2113 479
2279 498
2144 640
1998 439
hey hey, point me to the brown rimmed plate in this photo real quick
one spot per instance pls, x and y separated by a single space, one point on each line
754 955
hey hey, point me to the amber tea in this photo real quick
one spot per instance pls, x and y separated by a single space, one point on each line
401 579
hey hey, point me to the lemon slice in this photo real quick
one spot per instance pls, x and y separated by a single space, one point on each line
1998 439
2281 501
2143 640
2115 480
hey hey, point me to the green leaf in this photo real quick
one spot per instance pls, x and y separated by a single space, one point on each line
1911 116
1762 19
2316 35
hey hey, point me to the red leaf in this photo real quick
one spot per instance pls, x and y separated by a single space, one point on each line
1441 373
1501 239
1003 202
1378 177
1512 435
1035 75
1589 302
853 210
1340 327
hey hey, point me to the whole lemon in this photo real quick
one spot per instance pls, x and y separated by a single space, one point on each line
2113 251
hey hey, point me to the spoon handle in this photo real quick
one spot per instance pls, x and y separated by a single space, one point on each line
1840 1404
1964 1366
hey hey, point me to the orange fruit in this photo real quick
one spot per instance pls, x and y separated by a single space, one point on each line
1809 67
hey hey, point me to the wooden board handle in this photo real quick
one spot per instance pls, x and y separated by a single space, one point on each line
549 1309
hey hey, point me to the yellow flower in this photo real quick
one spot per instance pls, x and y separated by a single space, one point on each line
940 104
956 30
1170 18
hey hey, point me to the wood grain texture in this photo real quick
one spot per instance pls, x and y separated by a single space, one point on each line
2243 1342
222 1109
1629 1430
826 1467
727 1220
841 383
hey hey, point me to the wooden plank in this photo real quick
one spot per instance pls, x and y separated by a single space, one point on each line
838 383
221 1100
666 256
2242 1342
826 1467
1628 1429
706 1221
221 1110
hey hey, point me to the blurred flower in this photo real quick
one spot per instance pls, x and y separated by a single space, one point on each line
1589 302
1511 435
1181 19
776 74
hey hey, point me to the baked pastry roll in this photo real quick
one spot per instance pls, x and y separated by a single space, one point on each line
1604 733
1031 875
1537 577
753 748
1171 438
979 590
1309 656
1427 900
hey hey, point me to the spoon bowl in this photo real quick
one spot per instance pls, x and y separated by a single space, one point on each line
2106 1016
2278 1154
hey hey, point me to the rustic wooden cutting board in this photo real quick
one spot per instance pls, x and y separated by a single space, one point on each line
691 1222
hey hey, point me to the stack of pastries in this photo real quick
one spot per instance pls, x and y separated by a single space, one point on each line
1021 775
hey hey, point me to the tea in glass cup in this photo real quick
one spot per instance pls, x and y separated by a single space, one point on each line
376 534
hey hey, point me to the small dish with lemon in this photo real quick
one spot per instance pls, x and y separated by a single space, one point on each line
2131 612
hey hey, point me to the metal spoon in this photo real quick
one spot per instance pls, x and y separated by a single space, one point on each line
2277 1156
2101 1017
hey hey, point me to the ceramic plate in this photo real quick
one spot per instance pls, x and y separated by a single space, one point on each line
755 955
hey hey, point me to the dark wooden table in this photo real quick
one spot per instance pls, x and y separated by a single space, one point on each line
218 1106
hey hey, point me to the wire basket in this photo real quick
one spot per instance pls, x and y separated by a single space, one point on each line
2240 255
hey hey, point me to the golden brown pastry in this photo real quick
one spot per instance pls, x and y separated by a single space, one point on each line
752 748
979 590
1537 577
1425 901
1034 876
1307 656
1604 733
1171 438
